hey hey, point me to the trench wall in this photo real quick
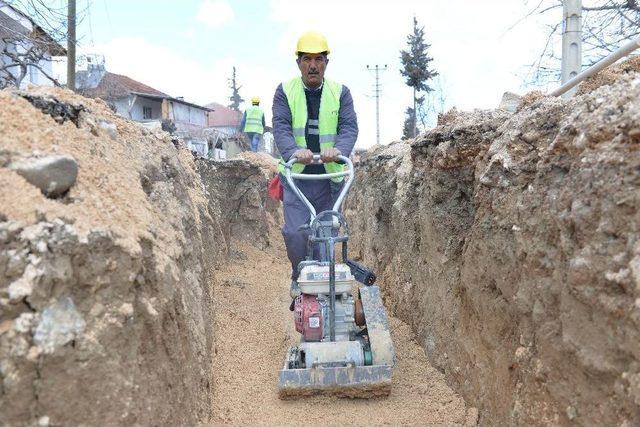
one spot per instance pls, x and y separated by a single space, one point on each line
509 241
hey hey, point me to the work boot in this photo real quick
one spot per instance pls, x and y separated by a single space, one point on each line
294 290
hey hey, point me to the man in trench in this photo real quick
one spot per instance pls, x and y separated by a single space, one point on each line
311 115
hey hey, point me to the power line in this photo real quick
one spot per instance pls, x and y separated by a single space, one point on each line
89 4
106 10
377 93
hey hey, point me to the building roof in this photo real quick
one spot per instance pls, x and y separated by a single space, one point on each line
223 116
170 98
10 27
98 83
115 86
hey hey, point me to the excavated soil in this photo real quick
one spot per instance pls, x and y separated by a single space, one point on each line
254 329
105 299
511 244
609 75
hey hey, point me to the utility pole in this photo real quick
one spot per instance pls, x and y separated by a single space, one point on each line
571 41
377 70
71 44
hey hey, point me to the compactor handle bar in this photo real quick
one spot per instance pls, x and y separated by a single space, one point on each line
290 176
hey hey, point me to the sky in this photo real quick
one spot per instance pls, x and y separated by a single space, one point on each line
480 49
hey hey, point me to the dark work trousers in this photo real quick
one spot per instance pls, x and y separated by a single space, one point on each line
322 195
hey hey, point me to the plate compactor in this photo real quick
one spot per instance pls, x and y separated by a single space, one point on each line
345 347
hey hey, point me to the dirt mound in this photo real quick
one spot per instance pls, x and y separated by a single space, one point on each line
609 75
531 97
510 243
262 160
105 299
113 156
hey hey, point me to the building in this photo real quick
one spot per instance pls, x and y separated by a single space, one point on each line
26 50
223 130
224 119
224 125
151 107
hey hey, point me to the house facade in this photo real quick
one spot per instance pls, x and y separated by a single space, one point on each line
224 119
151 107
26 50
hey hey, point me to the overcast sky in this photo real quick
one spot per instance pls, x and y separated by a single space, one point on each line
188 48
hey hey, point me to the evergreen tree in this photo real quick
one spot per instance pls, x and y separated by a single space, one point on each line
235 97
415 68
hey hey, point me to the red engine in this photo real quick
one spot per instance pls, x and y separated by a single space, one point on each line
308 317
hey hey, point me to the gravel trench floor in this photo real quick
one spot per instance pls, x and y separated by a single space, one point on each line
254 328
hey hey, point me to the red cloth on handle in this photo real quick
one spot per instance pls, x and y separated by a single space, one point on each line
276 191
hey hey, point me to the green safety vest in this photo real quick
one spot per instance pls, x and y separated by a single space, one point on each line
327 119
253 121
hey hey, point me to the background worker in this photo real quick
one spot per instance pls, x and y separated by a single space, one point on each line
252 123
311 115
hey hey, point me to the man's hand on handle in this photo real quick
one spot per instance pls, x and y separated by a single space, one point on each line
304 156
330 155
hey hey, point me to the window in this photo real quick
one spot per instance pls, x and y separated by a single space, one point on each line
146 113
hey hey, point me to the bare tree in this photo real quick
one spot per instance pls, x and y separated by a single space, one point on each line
22 54
235 97
606 24
434 104
50 18
22 49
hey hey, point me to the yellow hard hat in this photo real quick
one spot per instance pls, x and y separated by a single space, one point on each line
255 100
312 42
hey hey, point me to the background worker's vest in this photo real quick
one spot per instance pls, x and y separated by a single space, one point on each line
253 122
327 119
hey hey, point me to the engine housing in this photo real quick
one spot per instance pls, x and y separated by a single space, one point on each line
311 315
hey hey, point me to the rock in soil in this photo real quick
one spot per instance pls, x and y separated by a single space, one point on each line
53 175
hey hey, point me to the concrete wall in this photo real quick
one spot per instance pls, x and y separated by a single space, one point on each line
227 130
183 113
122 106
37 77
199 147
136 112
125 108
232 148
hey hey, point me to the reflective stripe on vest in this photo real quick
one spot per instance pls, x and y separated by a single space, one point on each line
253 121
327 122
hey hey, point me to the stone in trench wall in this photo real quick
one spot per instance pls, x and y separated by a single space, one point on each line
510 243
